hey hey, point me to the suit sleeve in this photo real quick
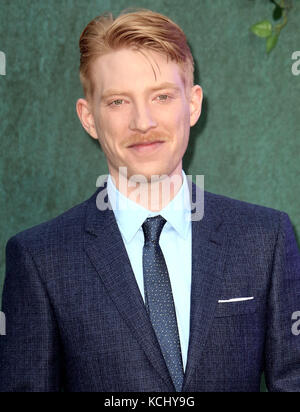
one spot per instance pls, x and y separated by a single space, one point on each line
282 349
30 352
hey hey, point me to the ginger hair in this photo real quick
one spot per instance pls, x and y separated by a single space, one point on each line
139 30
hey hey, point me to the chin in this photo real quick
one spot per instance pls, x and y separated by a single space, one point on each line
153 175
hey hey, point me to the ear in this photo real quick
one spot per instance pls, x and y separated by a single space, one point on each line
86 117
196 98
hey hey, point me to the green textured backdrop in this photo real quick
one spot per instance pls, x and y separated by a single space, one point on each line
247 140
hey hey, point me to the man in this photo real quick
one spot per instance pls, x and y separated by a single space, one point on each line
127 291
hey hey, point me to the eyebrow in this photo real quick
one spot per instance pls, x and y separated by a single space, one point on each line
166 85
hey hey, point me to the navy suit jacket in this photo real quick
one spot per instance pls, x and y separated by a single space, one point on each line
76 319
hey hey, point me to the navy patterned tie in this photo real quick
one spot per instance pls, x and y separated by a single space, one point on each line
159 299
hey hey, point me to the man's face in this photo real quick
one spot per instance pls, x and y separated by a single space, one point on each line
140 112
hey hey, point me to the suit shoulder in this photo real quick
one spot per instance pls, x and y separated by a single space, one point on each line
242 212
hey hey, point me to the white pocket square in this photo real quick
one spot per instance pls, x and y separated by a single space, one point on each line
236 300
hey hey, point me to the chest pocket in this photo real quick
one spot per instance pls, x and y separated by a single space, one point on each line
236 308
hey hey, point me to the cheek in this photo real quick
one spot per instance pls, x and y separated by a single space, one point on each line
169 119
111 131
179 123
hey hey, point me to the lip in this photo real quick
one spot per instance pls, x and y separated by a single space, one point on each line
146 147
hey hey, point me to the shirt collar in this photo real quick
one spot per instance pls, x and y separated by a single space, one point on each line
130 216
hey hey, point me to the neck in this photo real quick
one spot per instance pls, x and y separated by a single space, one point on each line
153 195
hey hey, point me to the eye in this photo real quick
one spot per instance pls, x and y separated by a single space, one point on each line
163 97
117 102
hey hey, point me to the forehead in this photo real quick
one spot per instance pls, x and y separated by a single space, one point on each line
136 70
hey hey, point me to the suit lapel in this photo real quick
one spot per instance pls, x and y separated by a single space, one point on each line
105 248
208 256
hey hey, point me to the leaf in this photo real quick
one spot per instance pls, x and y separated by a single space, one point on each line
277 13
262 29
271 42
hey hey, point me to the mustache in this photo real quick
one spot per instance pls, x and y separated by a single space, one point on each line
151 138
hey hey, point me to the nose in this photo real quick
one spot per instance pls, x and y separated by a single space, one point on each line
142 119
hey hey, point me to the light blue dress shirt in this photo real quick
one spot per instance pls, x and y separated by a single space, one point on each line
175 242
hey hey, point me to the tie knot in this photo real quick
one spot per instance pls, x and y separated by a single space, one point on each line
152 228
